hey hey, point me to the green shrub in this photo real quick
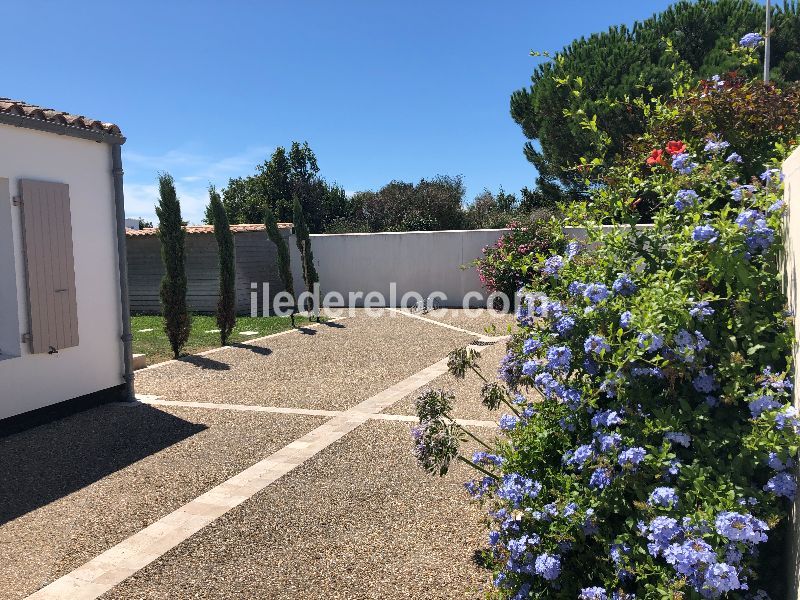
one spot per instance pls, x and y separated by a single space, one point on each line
284 260
226 305
748 115
506 265
650 439
303 240
177 322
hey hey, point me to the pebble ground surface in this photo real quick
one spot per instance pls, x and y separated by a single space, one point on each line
75 487
357 520
331 366
360 520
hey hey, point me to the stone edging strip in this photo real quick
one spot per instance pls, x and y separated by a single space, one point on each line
447 325
285 410
108 569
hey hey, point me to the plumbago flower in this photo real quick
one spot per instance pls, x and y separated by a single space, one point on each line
650 440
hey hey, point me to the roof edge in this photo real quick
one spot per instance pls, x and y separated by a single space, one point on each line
60 128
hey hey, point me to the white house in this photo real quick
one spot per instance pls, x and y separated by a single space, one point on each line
64 322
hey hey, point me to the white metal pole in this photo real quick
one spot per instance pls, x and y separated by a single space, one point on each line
766 43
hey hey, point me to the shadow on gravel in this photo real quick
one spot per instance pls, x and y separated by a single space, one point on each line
43 464
207 363
307 331
333 324
254 349
482 558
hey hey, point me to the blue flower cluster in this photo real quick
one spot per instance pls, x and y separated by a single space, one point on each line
751 40
759 236
665 497
742 192
624 286
701 310
705 233
683 164
685 199
715 147
553 265
596 292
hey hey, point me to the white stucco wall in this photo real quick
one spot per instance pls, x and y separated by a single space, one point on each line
34 381
417 261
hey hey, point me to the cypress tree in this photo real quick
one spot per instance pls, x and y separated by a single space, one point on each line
304 245
177 322
284 261
226 305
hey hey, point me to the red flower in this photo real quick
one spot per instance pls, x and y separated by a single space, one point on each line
676 147
656 158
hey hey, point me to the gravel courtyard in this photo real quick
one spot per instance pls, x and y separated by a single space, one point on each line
310 431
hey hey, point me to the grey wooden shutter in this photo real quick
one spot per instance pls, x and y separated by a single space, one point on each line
49 261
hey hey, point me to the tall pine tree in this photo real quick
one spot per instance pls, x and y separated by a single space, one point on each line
177 322
226 305
284 261
303 238
623 63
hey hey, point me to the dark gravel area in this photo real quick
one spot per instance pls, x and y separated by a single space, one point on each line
73 488
333 366
360 520
467 391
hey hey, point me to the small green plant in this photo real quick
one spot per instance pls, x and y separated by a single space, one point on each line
284 260
177 322
226 305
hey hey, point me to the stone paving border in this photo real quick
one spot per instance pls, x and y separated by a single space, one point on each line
405 313
116 564
296 411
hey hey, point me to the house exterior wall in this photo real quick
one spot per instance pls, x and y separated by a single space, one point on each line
256 261
9 323
31 381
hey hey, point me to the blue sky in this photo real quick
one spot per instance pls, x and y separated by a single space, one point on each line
380 90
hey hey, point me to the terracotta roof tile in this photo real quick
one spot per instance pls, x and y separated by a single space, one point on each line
31 111
192 229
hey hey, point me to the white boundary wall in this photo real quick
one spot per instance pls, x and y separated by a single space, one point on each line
31 381
416 261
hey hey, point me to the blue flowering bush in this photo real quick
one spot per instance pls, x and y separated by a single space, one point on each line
649 435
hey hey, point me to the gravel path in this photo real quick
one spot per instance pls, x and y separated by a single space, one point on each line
360 520
467 391
357 520
334 366
72 488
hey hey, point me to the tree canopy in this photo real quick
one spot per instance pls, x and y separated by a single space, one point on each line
625 63
275 182
428 205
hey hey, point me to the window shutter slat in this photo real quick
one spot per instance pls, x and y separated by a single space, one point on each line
47 231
